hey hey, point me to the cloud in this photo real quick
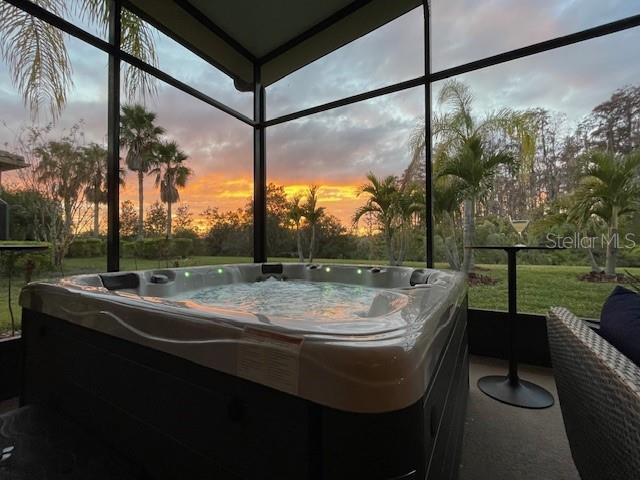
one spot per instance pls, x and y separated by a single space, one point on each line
391 54
466 30
572 79
342 145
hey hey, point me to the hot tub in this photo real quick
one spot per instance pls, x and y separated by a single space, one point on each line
258 370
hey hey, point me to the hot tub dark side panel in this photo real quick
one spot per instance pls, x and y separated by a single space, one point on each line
177 419
449 420
173 418
446 405
425 438
10 367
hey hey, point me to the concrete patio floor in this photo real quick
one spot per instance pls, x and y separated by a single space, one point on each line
502 442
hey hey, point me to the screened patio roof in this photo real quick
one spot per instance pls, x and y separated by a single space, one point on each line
279 36
11 161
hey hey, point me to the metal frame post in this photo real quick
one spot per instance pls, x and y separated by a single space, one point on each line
429 224
259 170
113 141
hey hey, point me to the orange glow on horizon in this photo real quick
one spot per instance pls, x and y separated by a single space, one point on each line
215 190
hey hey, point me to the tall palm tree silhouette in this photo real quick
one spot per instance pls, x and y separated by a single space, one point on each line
295 215
171 174
95 160
382 193
139 135
312 214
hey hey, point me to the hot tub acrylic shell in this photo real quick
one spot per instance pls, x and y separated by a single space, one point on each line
174 417
374 364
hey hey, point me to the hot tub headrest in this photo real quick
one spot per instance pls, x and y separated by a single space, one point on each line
120 281
272 268
419 277
159 278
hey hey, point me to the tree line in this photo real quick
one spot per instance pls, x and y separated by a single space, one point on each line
507 163
487 167
531 163
68 178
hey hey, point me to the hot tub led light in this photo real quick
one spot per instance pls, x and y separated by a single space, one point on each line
359 271
328 269
220 270
187 274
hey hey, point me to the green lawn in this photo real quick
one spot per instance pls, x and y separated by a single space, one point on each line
542 286
539 286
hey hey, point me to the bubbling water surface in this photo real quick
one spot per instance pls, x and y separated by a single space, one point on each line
291 299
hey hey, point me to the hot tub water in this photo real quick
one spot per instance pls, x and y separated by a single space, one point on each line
323 300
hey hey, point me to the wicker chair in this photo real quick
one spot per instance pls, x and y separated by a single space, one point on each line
599 392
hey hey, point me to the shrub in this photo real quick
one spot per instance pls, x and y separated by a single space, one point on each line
629 257
160 248
33 263
127 249
94 247
138 248
153 248
199 246
87 247
76 249
27 264
181 247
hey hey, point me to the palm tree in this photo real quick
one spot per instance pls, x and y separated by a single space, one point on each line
447 199
64 174
465 139
61 167
36 53
394 208
557 221
139 134
608 190
312 214
380 203
409 201
95 159
170 173
473 167
295 215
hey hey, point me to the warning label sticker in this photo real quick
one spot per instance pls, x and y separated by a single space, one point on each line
270 358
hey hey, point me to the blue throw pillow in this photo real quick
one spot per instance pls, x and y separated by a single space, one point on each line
620 322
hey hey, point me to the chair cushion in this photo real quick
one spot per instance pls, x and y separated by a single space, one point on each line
620 322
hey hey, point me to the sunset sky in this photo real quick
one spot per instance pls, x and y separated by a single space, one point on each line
336 149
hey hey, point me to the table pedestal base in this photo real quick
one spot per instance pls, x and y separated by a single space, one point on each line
519 393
